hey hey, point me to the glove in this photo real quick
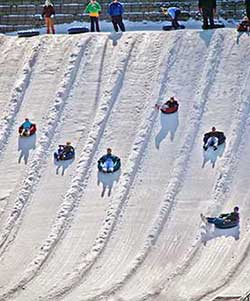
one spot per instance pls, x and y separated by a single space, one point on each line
41 17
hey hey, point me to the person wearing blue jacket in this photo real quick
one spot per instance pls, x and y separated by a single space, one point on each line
115 11
26 124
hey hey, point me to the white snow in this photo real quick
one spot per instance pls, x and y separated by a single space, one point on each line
68 232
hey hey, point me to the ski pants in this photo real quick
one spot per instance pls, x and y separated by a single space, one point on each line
117 21
94 23
215 220
50 25
175 23
212 141
108 164
207 13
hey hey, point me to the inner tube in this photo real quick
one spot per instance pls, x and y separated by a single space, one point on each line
117 164
28 33
220 135
170 110
31 131
227 225
170 27
76 30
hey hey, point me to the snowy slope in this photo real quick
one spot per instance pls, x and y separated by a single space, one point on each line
70 233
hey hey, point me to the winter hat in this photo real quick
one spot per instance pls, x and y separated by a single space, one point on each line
48 2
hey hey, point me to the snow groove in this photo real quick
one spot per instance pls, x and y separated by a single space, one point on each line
226 175
125 183
220 190
79 181
17 96
33 174
209 73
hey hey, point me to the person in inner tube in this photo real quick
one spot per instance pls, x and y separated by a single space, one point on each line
64 150
26 125
170 103
212 140
224 217
107 161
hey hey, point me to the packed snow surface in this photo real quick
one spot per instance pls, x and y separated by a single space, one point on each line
68 232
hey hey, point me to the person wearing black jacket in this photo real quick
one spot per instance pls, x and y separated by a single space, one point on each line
207 8
247 3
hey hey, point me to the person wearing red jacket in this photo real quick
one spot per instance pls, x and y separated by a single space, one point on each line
49 13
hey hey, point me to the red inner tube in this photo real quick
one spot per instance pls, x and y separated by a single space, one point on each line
32 129
169 110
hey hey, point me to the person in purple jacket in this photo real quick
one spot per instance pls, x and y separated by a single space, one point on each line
115 11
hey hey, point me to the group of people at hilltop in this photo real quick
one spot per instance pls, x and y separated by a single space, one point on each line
115 9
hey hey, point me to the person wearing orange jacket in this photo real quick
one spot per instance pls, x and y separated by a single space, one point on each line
49 13
93 9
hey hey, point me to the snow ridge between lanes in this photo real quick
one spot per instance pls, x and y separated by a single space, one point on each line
125 182
79 181
221 187
226 175
33 174
181 162
17 96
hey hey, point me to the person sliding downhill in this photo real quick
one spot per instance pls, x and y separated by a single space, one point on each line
223 218
26 125
64 151
212 140
170 103
107 162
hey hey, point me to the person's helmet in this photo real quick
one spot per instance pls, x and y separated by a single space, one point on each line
68 143
245 19
236 208
26 119
172 98
213 129
109 150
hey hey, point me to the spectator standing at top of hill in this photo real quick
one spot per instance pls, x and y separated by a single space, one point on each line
247 3
93 9
174 13
49 13
116 11
208 9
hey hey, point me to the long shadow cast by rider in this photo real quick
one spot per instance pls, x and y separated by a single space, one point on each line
25 144
107 180
211 155
206 36
62 164
209 232
115 37
169 124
